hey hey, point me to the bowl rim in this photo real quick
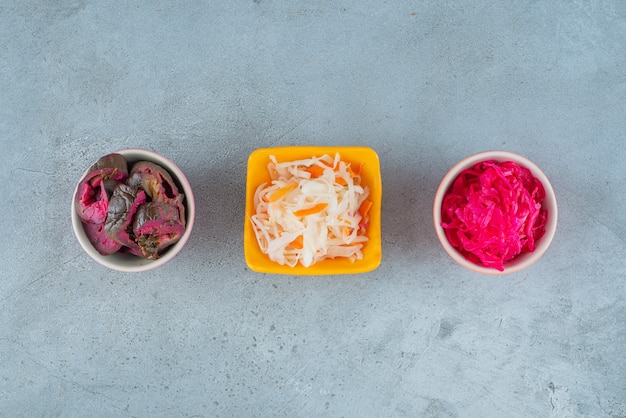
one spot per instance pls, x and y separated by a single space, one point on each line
372 251
550 202
138 264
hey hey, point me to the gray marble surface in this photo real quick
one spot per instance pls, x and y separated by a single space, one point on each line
205 83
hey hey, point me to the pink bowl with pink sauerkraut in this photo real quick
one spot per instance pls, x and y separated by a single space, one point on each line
495 212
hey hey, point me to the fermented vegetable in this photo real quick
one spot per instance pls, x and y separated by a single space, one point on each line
311 210
140 213
493 213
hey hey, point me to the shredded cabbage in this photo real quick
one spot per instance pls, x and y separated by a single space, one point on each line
313 209
492 213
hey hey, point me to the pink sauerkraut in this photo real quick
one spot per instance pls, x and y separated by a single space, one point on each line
492 213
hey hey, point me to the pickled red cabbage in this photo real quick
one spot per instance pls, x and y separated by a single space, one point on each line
492 213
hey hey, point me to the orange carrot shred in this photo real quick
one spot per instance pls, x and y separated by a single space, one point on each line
365 208
315 170
282 192
297 243
312 210
358 172
341 181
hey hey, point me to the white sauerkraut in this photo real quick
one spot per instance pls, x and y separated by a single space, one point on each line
313 209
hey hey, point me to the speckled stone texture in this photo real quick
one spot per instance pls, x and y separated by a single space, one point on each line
205 83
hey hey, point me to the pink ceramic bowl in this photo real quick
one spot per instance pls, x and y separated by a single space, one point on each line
130 263
549 204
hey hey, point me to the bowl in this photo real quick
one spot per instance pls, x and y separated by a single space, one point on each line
522 260
257 174
125 262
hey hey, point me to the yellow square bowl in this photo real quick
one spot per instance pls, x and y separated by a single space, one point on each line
370 177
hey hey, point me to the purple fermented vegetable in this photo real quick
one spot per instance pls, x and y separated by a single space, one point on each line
157 182
122 207
140 212
98 238
157 225
94 190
